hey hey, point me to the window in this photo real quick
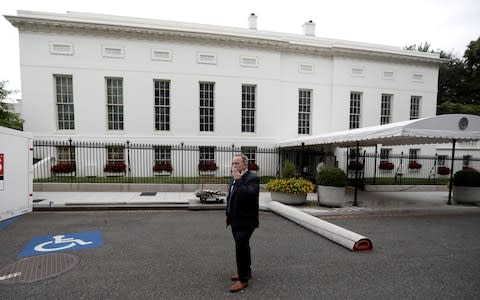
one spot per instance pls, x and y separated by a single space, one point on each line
442 160
206 106
115 154
413 155
466 161
207 58
113 51
385 110
248 107
64 100
207 153
305 68
250 152
249 61
414 107
65 154
162 105
115 103
61 48
417 77
304 110
163 154
385 154
358 71
159 54
388 75
355 99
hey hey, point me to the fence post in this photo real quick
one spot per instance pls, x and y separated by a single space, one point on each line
128 160
356 176
450 183
181 172
375 165
70 158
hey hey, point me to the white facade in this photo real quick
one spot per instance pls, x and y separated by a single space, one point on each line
90 48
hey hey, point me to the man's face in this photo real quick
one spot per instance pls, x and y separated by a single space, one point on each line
238 164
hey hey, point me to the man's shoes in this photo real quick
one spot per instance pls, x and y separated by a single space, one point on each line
238 286
236 278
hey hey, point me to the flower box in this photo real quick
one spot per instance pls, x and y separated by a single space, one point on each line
115 169
413 165
164 168
63 169
352 166
207 166
253 166
442 170
386 166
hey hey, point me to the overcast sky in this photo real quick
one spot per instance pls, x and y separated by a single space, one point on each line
445 24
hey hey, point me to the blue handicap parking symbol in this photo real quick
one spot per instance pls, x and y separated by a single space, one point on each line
62 242
5 223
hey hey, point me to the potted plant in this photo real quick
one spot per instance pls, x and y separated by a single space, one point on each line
63 169
386 165
164 168
207 167
466 186
331 183
442 170
413 165
289 190
115 168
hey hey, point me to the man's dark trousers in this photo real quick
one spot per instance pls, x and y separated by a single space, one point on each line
242 251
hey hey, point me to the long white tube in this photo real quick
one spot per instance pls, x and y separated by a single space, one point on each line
337 234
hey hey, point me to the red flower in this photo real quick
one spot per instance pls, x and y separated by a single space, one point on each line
253 166
414 165
115 167
63 168
386 165
207 166
352 165
163 166
442 170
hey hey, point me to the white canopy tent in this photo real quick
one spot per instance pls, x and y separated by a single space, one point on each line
429 130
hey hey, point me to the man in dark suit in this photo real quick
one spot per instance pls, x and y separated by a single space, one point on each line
242 216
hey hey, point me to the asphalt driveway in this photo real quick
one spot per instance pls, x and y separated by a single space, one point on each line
179 254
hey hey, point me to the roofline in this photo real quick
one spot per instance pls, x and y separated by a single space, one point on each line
150 28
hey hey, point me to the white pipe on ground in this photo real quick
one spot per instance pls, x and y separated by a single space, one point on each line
337 234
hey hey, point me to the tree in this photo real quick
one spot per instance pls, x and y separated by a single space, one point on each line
472 67
8 117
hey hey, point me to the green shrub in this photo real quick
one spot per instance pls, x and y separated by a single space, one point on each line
466 177
290 185
332 177
288 169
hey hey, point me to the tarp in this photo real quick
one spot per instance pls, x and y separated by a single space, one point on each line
429 130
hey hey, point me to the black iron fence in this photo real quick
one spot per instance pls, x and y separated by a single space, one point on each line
100 162
402 169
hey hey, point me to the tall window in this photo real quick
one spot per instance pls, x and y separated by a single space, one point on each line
386 108
355 99
304 110
163 154
115 103
250 152
385 154
415 107
64 100
442 160
466 161
413 155
248 107
206 106
65 154
115 154
162 105
207 153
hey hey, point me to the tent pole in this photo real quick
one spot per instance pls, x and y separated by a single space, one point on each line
356 177
450 183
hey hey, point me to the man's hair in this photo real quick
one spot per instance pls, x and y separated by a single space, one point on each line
244 158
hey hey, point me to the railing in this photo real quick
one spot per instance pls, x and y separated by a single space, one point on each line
400 169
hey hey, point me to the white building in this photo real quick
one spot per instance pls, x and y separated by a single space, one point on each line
97 77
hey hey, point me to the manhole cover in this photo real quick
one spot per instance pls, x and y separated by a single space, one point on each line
37 268
148 193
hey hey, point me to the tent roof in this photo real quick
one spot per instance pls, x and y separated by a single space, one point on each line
430 130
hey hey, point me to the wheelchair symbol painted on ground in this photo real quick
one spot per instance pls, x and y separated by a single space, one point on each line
62 242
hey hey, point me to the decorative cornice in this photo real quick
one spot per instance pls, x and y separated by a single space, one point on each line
311 46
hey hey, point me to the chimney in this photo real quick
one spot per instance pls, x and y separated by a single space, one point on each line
309 28
252 21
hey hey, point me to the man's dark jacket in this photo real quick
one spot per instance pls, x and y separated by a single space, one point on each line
243 202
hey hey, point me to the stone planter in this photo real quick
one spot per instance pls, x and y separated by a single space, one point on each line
70 174
206 173
288 198
331 196
114 174
466 194
162 173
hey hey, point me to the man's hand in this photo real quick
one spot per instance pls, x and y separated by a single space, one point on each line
235 174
